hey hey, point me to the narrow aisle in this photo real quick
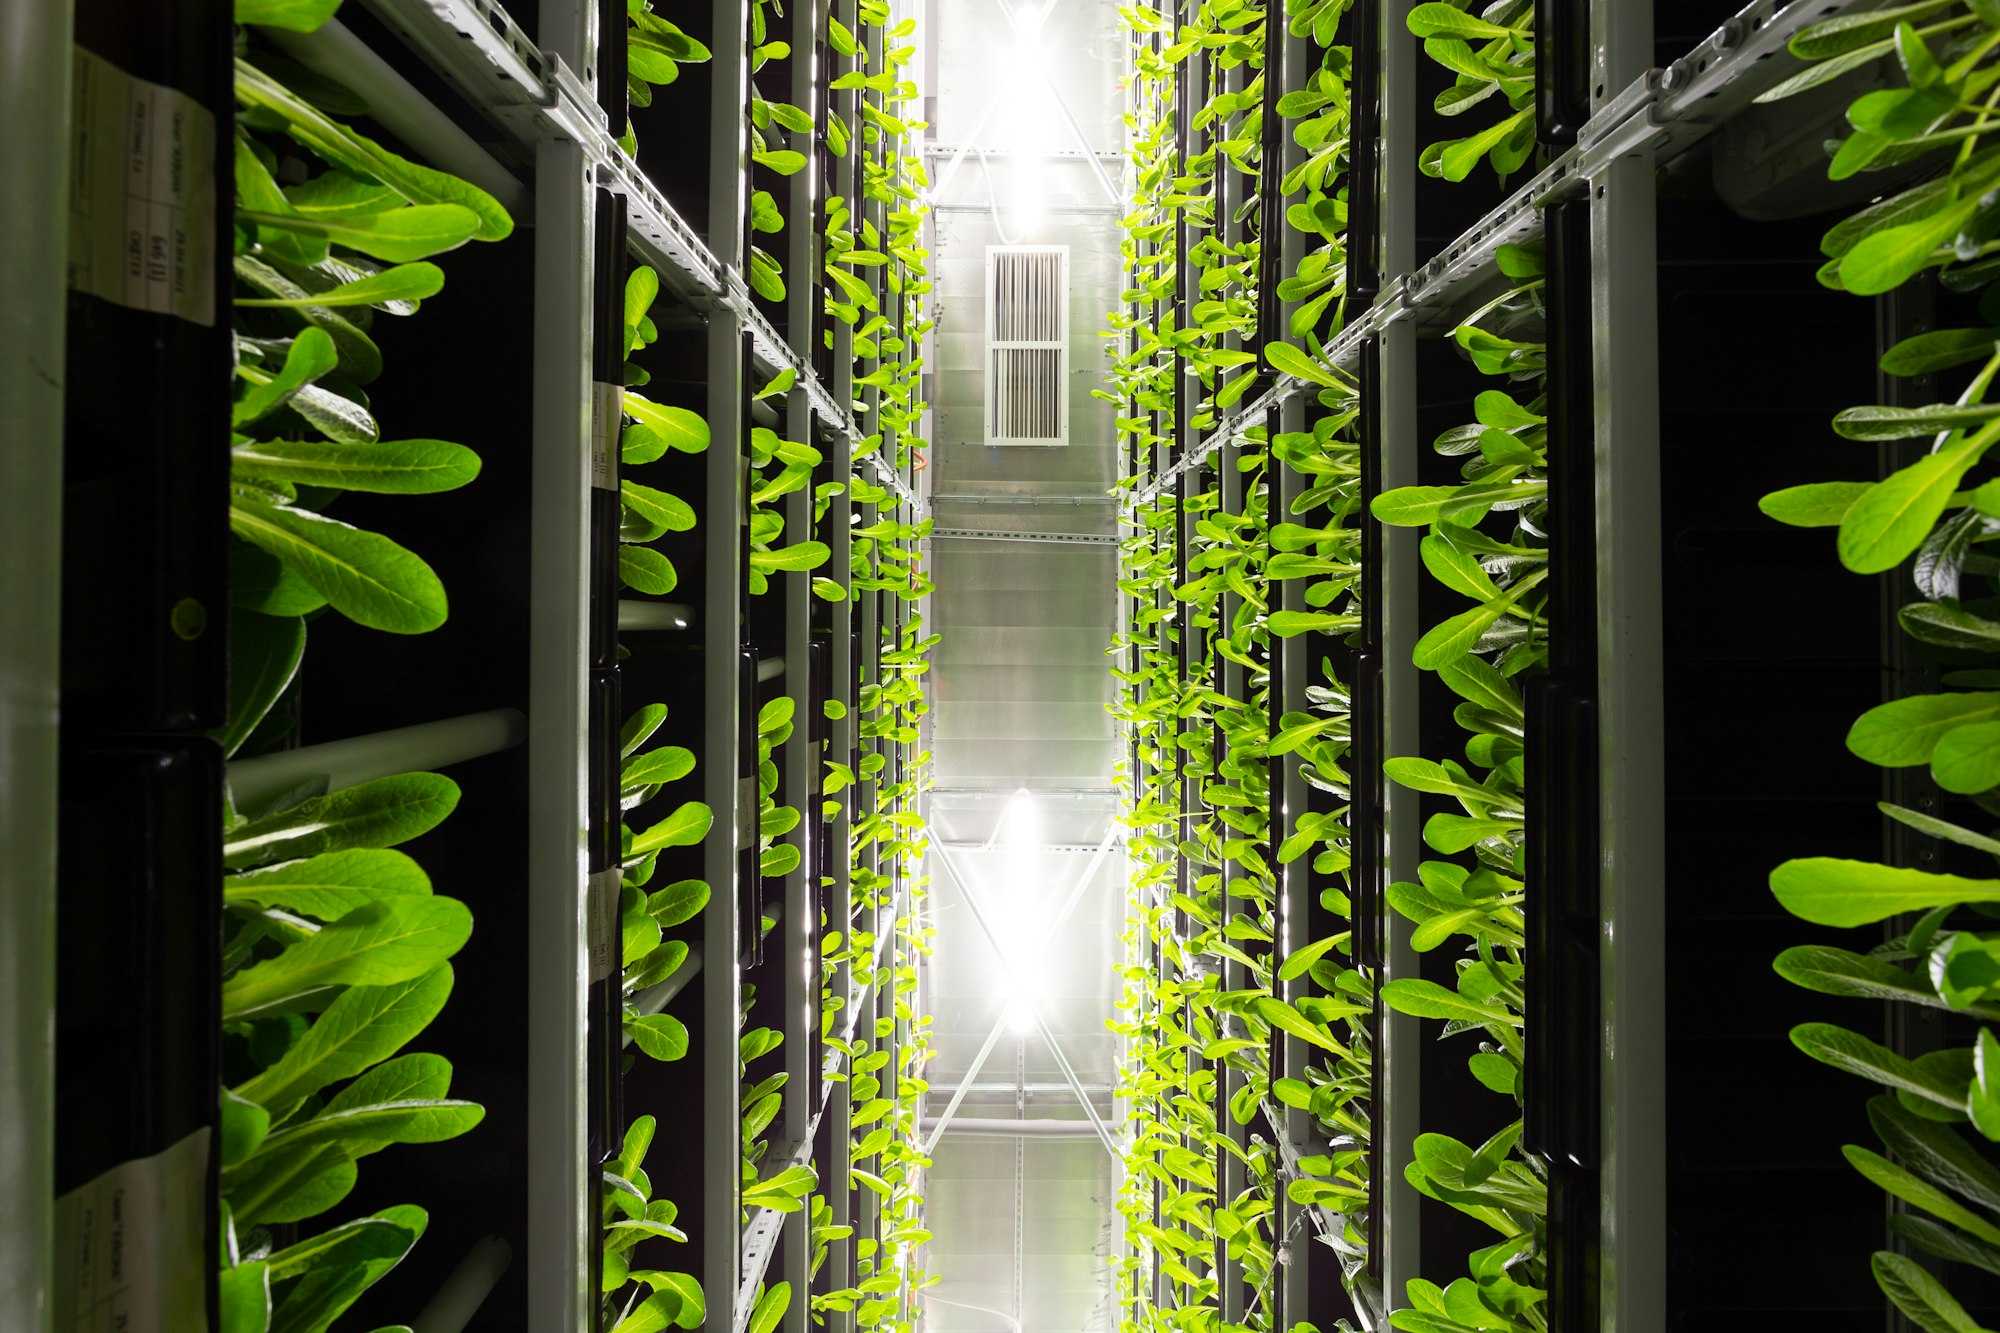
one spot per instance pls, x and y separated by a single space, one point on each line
1020 1188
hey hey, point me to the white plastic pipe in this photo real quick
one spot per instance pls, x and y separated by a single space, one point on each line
466 1289
379 755
636 615
337 53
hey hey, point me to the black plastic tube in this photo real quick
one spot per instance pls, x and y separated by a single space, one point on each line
1562 1102
1270 205
1364 159
146 552
1366 801
612 91
818 728
751 902
1562 70
606 998
138 1001
608 371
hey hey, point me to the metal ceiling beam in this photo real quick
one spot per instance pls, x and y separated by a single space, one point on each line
1064 847
1062 210
938 148
992 1128
1031 1089
981 497
1063 538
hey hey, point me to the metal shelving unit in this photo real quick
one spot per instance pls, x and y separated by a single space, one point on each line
539 92
1639 119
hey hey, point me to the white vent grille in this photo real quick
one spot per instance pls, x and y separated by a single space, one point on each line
1027 344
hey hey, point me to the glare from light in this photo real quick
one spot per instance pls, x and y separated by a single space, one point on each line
1028 115
1018 910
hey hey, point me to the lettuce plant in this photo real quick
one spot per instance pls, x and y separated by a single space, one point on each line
336 950
324 918
1485 542
1493 54
1940 1112
651 430
1203 737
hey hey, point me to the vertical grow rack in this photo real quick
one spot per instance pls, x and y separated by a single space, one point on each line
553 103
1616 112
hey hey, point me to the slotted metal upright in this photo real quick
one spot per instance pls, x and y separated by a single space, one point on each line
1400 1038
35 96
726 516
561 1187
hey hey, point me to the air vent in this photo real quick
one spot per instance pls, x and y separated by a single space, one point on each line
1027 344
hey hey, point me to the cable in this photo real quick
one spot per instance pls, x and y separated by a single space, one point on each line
992 200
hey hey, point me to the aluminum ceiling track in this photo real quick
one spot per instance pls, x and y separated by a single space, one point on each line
986 535
476 46
1665 110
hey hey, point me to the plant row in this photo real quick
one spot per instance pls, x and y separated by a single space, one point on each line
1935 1117
336 950
1217 574
873 282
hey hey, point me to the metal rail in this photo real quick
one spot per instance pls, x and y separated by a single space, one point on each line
1330 1226
1667 111
1063 538
760 1237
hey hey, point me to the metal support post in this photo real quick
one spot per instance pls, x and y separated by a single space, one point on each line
1400 1042
562 1192
845 731
34 161
724 517
1631 648
801 760
1229 1173
801 927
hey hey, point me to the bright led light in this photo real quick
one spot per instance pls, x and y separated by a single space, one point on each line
1029 116
1017 909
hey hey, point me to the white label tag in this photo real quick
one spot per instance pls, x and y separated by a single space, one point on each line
129 1254
601 924
142 206
607 424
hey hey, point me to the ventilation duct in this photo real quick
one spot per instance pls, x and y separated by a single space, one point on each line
1027 344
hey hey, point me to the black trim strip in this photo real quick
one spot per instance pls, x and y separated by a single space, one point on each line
1562 1082
1562 70
1364 158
